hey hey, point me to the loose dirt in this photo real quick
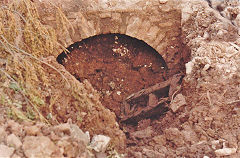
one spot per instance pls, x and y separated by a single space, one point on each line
118 66
205 125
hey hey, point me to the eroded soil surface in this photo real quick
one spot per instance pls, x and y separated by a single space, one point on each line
117 66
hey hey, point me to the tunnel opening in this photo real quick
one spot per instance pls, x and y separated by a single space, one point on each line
132 78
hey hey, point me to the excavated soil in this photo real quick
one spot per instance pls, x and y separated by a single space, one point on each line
115 66
118 65
205 125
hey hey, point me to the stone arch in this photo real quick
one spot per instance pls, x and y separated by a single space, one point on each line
157 22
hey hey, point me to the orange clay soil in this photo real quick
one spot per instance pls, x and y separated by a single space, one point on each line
117 66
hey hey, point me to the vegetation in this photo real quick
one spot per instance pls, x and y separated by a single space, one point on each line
24 40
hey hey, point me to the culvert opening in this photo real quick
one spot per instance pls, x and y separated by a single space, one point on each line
133 79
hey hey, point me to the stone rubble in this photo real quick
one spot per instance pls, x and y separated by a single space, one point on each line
6 151
99 143
228 9
43 147
145 133
151 153
178 102
225 151
13 141
32 130
39 140
215 43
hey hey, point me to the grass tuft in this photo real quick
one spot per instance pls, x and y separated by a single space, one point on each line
24 41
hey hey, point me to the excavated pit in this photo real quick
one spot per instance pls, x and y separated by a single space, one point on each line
118 66
200 119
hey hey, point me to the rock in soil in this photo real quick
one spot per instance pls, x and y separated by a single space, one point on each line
225 151
38 146
100 143
177 102
146 133
6 151
14 141
40 140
